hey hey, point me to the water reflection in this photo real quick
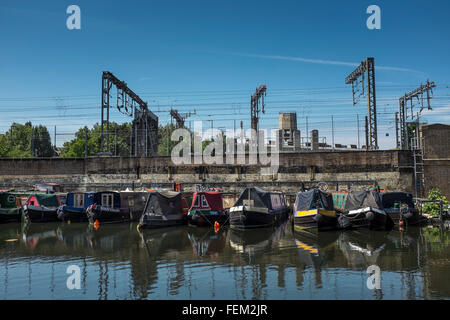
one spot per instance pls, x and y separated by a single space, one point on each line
118 262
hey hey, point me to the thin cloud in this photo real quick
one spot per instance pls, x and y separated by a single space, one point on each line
320 61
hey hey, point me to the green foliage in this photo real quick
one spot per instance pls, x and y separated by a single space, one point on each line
432 208
24 140
119 141
41 142
166 144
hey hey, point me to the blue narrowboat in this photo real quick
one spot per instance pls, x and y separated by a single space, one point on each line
76 205
107 208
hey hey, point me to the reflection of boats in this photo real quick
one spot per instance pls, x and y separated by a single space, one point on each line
206 242
254 242
43 234
313 246
163 209
364 209
362 248
159 241
41 207
314 210
111 238
10 208
400 207
206 209
258 208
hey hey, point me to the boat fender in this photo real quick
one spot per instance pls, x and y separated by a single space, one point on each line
344 222
370 216
318 218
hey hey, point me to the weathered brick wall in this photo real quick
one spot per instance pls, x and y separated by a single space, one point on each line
436 142
391 169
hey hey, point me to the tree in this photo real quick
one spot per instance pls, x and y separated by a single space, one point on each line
119 141
24 141
41 145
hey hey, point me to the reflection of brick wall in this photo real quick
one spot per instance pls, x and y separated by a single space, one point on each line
436 140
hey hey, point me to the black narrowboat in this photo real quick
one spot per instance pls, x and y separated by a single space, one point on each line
258 208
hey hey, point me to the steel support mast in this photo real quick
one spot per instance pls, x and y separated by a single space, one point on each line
256 101
366 70
144 136
418 93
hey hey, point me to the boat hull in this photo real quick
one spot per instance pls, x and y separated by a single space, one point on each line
365 218
72 215
40 214
247 219
107 215
154 222
315 220
206 219
410 217
11 215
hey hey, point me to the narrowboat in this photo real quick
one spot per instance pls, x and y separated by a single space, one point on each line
257 208
135 201
207 209
76 205
10 208
364 209
41 207
106 208
400 207
163 209
313 210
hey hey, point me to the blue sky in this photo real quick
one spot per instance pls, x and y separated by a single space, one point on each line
210 56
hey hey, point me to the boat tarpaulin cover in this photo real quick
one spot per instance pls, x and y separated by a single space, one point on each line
163 203
47 200
254 197
7 200
213 199
313 199
390 198
363 199
134 200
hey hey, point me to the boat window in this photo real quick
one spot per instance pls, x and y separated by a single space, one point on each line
204 202
276 200
107 200
130 201
78 200
197 201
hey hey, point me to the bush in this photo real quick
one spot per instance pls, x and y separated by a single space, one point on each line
433 208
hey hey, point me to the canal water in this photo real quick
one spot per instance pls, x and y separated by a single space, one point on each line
118 262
